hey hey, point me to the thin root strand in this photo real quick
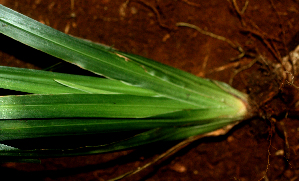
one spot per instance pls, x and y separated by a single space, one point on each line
218 37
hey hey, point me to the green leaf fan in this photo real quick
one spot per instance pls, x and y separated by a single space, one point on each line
139 102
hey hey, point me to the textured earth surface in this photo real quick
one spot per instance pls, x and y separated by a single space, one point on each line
263 148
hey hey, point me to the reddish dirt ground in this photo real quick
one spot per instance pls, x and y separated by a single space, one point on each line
251 151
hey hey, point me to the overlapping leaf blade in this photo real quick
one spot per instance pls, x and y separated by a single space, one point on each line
147 137
86 106
31 128
153 101
108 63
43 82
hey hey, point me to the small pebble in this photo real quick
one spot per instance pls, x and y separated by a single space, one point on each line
178 168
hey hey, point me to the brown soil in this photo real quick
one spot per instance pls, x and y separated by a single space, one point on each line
251 150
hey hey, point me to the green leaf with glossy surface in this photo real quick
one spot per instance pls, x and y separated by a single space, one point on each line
87 105
139 72
142 102
43 82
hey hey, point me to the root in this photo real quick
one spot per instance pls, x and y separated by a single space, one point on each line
256 31
156 12
218 37
242 69
191 3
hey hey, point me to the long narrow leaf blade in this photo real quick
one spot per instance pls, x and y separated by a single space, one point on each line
147 137
86 105
107 63
34 128
43 82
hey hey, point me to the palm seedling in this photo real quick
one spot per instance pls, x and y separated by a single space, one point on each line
130 100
